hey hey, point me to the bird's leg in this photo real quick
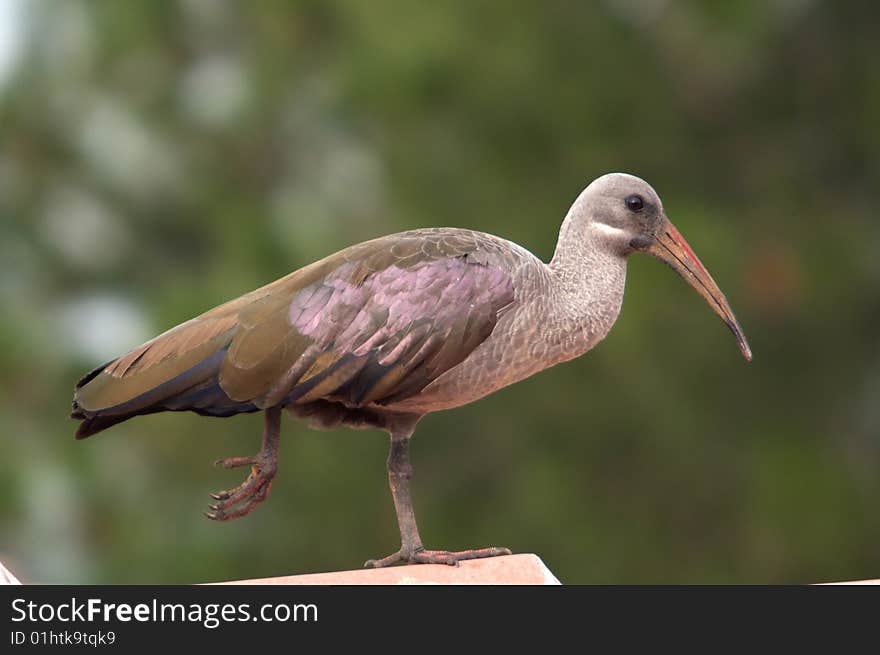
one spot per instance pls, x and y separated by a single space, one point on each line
399 475
411 548
241 500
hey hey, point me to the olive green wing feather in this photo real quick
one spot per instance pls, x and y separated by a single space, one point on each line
372 324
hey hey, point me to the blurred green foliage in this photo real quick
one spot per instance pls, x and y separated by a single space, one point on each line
158 158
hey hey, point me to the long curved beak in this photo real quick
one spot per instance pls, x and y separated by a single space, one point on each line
670 247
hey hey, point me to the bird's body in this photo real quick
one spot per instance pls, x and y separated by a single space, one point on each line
551 320
384 332
236 357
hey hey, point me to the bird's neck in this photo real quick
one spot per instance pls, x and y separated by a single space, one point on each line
587 281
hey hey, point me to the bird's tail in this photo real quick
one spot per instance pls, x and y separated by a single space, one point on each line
90 425
197 390
93 422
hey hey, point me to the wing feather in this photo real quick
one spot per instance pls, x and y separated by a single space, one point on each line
370 325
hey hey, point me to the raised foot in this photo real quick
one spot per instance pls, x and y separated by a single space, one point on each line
422 556
241 500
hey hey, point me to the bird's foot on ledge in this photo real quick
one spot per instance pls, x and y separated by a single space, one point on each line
241 500
422 556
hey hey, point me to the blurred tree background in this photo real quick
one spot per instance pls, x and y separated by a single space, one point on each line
159 158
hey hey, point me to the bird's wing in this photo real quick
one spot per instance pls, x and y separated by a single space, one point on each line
374 323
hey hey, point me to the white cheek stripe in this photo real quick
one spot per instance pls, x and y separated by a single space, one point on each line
608 229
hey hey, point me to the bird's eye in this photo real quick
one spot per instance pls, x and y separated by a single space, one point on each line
634 203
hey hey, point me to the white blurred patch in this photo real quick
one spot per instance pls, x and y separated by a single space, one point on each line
22 273
12 30
214 90
334 183
340 192
65 38
99 327
83 230
61 46
53 530
126 152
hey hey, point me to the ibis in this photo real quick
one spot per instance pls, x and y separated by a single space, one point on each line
382 333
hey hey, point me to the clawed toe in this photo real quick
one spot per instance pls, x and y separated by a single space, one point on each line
235 462
228 509
385 561
243 499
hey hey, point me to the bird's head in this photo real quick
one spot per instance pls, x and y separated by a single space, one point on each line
625 215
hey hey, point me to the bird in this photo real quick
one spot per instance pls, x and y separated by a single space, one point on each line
382 333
